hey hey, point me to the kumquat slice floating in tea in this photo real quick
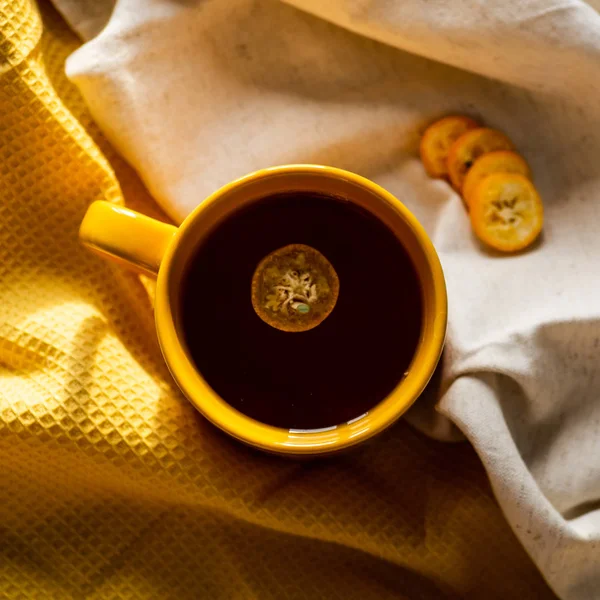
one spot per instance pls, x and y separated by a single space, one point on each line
501 161
506 212
294 288
469 147
438 138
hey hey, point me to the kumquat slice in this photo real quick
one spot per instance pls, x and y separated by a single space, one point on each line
469 147
438 138
506 212
501 161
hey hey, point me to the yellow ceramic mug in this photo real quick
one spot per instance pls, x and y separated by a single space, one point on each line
163 250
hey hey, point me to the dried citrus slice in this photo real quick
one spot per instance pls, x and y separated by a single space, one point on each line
438 138
469 147
506 211
501 161
294 288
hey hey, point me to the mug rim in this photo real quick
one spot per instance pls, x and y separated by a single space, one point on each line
296 441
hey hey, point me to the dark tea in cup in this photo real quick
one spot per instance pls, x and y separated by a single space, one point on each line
332 373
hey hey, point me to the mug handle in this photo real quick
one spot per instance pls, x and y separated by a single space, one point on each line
125 236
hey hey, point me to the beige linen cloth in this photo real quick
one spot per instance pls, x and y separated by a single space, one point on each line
196 93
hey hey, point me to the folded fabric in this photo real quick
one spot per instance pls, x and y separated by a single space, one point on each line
111 484
194 94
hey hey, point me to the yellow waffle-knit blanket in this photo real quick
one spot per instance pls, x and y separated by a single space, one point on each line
111 485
